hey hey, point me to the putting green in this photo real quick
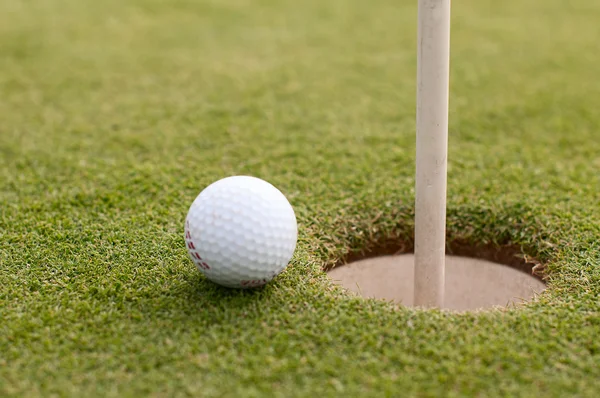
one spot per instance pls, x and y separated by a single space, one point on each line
115 114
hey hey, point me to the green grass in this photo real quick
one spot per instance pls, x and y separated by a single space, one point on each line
115 114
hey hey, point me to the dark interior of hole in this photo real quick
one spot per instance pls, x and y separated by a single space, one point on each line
510 255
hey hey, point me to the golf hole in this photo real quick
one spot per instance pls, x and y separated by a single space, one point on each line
471 283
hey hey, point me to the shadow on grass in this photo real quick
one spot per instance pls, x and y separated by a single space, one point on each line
189 299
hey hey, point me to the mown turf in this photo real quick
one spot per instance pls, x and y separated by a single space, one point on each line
115 114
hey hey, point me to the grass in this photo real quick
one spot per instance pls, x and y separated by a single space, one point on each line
115 114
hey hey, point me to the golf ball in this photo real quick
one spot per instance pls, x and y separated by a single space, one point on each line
241 232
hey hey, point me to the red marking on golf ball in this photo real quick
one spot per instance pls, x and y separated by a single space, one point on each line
253 283
199 262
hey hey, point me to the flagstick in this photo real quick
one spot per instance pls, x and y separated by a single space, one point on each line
433 62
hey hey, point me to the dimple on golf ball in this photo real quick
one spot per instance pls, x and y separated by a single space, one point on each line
241 232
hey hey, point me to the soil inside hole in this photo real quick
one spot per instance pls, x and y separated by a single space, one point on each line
477 278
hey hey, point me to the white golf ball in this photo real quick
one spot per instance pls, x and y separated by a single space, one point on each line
241 232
